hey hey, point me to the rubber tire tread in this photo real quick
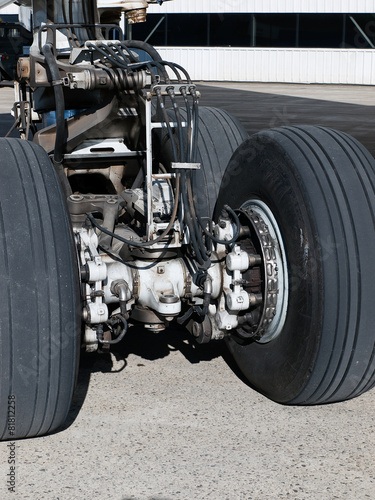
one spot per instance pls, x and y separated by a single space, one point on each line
319 184
39 308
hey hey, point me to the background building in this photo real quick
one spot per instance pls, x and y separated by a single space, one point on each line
298 41
312 41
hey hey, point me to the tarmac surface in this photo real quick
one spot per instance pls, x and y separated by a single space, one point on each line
161 418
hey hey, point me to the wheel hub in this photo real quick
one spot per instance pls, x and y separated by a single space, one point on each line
264 322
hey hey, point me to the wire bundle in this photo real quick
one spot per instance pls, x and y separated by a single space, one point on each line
184 149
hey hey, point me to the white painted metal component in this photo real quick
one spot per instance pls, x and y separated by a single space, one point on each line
235 298
123 4
224 319
224 230
114 173
216 333
237 260
101 147
216 274
238 301
116 271
96 313
135 10
97 271
186 166
160 285
90 340
162 197
135 201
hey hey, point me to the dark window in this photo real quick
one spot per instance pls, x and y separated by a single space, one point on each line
154 30
276 30
359 31
187 29
258 30
320 30
230 30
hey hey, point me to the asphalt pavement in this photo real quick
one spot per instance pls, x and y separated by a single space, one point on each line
161 418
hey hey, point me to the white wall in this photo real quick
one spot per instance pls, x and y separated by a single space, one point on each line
254 6
275 65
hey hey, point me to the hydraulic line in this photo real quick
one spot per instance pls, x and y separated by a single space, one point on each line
176 109
196 241
166 121
120 60
101 48
201 311
187 76
59 103
194 141
188 153
193 216
128 51
149 49
122 334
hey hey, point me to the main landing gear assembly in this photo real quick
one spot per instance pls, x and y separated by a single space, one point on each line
125 202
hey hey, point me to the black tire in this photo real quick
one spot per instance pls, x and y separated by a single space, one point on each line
319 186
40 305
219 136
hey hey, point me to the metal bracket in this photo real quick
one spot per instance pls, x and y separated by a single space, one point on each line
80 204
186 166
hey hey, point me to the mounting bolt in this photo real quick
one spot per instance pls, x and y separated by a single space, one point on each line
196 329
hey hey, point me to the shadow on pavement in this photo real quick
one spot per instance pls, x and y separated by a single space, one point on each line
151 346
145 345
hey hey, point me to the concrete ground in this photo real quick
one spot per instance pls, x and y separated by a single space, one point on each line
163 419
348 108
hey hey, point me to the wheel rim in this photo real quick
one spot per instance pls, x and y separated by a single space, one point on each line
272 330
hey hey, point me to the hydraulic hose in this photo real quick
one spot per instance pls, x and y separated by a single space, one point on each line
59 103
149 49
195 239
193 215
122 333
